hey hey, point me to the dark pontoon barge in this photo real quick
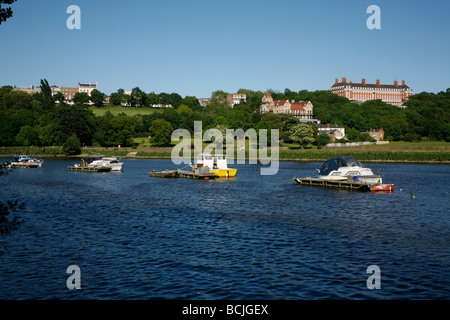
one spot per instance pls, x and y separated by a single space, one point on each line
343 184
193 174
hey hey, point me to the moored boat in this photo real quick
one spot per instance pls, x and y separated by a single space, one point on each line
24 161
346 172
85 167
216 163
112 162
345 168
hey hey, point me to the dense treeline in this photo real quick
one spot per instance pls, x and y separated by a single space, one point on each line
41 120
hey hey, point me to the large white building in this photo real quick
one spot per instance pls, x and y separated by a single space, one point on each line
394 94
87 87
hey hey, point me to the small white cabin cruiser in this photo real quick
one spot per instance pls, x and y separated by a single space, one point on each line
112 162
341 168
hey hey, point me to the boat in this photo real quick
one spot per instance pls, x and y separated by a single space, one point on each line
216 163
112 162
24 161
381 187
163 174
346 172
86 167
345 168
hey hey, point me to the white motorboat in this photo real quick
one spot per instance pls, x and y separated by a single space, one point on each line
343 168
112 162
25 161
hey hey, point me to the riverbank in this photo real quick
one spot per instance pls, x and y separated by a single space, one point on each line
418 154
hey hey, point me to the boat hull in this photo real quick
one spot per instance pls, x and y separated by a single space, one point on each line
382 187
26 164
224 173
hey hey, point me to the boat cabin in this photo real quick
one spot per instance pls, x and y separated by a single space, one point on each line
335 163
213 161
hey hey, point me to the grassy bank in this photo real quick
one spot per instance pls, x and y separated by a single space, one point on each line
372 154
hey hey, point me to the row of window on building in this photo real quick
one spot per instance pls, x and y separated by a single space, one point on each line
68 92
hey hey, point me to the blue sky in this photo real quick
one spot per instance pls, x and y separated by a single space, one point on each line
196 47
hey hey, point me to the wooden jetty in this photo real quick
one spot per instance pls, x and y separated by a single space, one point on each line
25 165
193 174
89 169
164 174
341 184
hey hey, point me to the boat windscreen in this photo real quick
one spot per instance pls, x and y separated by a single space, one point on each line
336 163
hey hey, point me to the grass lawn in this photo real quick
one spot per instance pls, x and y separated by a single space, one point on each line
129 111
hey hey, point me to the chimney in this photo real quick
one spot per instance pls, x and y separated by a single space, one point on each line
378 82
336 81
403 82
363 82
396 83
344 80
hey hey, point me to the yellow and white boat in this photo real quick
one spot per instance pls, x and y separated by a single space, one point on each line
217 164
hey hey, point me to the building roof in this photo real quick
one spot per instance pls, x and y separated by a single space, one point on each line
267 94
329 126
299 105
369 85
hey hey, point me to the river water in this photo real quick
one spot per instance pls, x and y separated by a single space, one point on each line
253 237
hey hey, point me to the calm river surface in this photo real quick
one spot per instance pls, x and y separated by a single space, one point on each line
254 237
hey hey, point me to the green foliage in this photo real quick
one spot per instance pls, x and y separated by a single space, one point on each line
68 120
161 133
322 139
72 146
302 133
5 13
27 136
46 97
97 98
81 98
426 117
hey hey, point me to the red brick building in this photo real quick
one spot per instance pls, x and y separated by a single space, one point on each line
301 109
394 94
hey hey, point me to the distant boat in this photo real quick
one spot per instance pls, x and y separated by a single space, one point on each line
112 162
217 164
341 168
25 161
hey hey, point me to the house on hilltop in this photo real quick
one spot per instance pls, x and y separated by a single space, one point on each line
301 110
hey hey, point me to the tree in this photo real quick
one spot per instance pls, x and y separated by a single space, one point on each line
69 120
27 136
5 13
303 134
59 97
161 132
45 96
152 99
115 99
81 98
138 97
97 98
322 139
46 135
17 100
72 146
